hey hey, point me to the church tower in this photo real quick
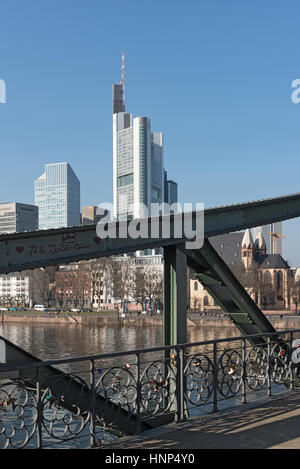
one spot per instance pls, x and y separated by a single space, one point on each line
247 249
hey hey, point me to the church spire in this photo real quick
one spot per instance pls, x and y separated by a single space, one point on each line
247 239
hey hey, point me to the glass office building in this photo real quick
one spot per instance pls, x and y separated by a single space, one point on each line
171 190
57 194
137 165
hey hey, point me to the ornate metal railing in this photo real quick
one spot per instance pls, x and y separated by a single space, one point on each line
91 400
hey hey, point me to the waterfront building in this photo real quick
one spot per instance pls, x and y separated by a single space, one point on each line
15 289
57 194
133 277
73 285
16 217
82 284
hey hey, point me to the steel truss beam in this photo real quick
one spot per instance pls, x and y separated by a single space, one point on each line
219 281
217 278
21 251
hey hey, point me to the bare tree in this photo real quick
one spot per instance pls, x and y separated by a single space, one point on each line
100 276
81 288
249 278
9 300
61 281
20 300
73 285
121 271
257 282
146 285
137 285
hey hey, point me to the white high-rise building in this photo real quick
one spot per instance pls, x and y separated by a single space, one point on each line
138 168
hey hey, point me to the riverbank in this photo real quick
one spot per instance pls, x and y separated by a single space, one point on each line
279 321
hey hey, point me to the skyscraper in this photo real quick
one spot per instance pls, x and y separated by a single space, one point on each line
138 176
137 165
16 217
171 190
57 194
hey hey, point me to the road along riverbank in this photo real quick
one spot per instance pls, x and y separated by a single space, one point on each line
279 321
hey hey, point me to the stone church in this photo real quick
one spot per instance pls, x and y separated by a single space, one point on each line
266 277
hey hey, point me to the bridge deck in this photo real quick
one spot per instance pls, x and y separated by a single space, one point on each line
273 423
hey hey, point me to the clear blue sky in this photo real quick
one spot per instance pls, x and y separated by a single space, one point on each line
215 77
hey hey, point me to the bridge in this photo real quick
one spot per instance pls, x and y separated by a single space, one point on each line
99 399
29 250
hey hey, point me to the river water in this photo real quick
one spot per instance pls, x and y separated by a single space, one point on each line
57 340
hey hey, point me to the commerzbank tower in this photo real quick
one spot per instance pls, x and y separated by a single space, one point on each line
139 177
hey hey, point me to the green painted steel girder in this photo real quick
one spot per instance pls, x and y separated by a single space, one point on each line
175 328
29 250
217 278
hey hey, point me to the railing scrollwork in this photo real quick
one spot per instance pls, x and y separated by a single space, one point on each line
108 395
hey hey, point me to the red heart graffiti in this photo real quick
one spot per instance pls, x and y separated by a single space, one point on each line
20 249
97 240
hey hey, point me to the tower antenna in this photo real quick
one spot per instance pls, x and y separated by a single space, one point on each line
123 77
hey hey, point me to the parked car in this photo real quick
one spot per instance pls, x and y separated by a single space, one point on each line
39 308
13 309
3 309
75 310
21 309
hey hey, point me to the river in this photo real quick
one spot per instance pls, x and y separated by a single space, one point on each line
55 340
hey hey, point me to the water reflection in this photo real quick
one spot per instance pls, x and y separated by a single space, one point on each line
54 341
